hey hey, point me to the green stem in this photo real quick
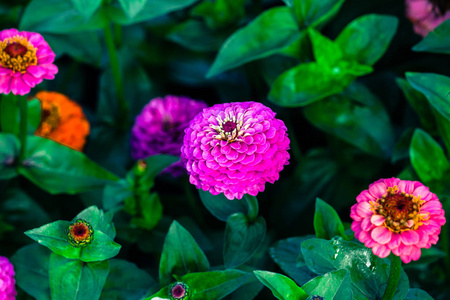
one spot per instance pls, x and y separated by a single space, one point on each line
253 207
394 277
122 113
23 108
118 34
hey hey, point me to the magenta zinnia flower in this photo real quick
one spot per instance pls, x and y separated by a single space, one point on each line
396 215
7 282
235 148
159 128
26 59
427 14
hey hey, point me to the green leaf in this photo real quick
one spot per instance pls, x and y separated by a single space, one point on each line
327 223
34 115
47 162
155 164
418 102
31 267
270 32
86 7
194 35
115 194
220 206
418 294
132 7
101 248
242 239
286 253
437 41
215 285
73 279
56 16
312 13
133 282
326 52
180 255
351 117
366 38
435 87
9 153
369 273
151 10
220 13
99 220
10 114
282 287
151 210
335 285
427 157
443 126
308 83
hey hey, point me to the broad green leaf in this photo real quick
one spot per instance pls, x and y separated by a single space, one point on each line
335 285
151 10
216 284
34 115
443 125
418 294
115 194
134 282
56 16
250 289
437 41
98 220
180 255
242 239
220 13
101 248
194 35
132 7
86 7
351 116
286 253
271 31
435 87
155 164
369 273
31 267
418 102
326 52
327 223
282 287
366 38
427 157
311 13
9 153
46 163
10 114
220 206
73 279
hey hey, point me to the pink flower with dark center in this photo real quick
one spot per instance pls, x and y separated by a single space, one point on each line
25 60
179 291
235 148
7 282
396 215
159 128
427 14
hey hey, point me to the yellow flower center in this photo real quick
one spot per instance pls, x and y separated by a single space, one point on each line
401 210
16 53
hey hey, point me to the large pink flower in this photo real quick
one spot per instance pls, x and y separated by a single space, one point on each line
25 60
396 215
7 282
235 148
427 14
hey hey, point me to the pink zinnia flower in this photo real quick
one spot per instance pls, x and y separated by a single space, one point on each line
159 128
235 148
25 60
396 215
427 14
7 282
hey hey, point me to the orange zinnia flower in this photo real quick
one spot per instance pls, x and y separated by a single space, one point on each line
62 120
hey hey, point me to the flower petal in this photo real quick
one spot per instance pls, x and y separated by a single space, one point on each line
377 220
381 235
363 210
377 189
409 237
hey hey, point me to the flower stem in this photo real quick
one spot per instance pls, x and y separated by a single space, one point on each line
253 208
23 109
394 277
122 113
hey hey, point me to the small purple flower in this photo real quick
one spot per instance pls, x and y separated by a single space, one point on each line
159 127
179 291
7 282
235 148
